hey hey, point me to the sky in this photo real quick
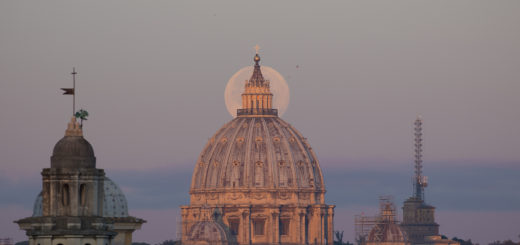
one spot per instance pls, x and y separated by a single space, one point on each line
152 75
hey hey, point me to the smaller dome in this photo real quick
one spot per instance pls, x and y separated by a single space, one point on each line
37 208
386 232
207 232
114 203
73 152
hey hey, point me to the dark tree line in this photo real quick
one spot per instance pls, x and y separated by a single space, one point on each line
166 242
338 239
505 242
469 242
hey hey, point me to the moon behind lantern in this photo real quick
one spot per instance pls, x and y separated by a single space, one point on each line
235 88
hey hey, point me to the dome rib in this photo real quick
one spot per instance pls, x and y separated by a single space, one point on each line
285 141
211 160
305 179
260 154
247 158
226 162
270 157
313 160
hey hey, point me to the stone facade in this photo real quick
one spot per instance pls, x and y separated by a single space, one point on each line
260 179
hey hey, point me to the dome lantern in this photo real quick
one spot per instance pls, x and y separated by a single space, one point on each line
257 99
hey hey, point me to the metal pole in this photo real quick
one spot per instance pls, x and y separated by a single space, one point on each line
74 90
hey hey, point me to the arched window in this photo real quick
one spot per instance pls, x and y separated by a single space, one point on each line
83 195
235 174
259 174
65 195
282 174
302 173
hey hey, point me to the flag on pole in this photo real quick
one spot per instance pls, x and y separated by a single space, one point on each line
68 90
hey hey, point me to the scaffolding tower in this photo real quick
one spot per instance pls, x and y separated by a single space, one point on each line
363 225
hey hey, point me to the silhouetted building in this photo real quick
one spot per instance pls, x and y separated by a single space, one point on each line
78 205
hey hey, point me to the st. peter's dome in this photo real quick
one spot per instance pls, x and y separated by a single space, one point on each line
261 176
251 154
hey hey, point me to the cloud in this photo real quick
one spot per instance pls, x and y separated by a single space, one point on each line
461 194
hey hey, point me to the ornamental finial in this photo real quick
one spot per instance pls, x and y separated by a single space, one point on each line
73 128
257 57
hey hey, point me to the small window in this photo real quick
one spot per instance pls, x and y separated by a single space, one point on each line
284 226
259 225
65 195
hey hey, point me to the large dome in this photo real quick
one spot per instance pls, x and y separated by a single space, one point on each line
257 153
114 203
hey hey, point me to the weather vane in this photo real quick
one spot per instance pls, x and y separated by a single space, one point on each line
81 114
257 48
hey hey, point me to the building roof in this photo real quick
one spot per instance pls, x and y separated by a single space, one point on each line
73 151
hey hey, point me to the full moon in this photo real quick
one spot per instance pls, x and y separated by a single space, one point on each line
235 88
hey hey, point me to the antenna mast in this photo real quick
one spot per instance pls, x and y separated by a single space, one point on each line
420 181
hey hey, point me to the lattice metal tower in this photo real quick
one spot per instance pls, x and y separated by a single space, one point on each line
418 217
420 181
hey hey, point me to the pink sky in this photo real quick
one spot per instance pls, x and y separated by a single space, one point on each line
153 74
